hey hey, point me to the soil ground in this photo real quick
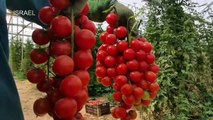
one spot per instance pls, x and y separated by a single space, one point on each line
28 94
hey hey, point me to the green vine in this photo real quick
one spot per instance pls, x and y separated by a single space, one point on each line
182 50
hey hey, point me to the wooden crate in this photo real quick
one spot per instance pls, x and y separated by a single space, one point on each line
97 108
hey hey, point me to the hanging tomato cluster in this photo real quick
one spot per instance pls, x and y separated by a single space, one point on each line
129 67
61 60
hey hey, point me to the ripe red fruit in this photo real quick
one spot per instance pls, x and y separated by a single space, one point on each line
41 106
111 72
135 76
115 87
154 68
111 19
152 94
109 29
53 96
147 47
98 63
142 39
145 103
103 47
63 65
60 4
120 59
126 118
112 50
79 116
56 82
76 29
61 26
121 32
122 45
117 96
81 99
126 89
120 112
101 55
43 86
80 20
129 54
38 56
40 37
60 48
150 76
89 25
113 113
150 58
100 72
135 45
103 36
129 100
121 69
66 107
132 65
71 85
143 66
140 55
144 85
85 39
35 75
154 87
46 14
106 81
111 39
83 59
84 77
138 92
85 9
120 80
124 105
110 61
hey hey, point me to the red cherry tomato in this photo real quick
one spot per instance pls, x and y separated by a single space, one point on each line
85 9
84 76
111 39
71 85
46 14
110 61
60 48
129 54
40 37
61 26
85 39
83 59
121 32
41 106
38 56
60 4
36 75
111 19
66 107
63 65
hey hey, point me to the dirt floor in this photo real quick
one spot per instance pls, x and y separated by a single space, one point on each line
28 94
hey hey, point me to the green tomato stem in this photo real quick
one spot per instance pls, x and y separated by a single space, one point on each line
129 36
72 33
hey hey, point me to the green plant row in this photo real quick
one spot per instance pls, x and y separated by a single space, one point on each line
183 48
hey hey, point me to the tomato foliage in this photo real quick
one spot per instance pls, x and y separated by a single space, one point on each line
183 47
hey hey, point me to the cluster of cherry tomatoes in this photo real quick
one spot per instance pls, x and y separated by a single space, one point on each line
62 57
127 66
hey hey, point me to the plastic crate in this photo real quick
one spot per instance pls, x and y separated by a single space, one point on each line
97 108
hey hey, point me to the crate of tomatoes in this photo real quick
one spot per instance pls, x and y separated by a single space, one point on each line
97 107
